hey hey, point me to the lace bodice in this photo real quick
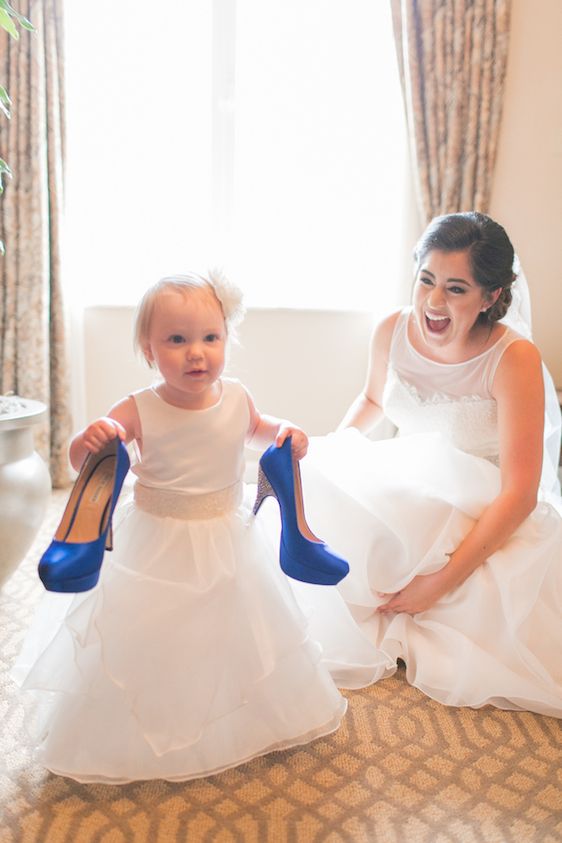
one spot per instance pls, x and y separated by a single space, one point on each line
455 399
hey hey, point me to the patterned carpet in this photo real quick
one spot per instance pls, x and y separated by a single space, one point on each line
401 768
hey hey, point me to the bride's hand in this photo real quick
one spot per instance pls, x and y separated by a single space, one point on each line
420 594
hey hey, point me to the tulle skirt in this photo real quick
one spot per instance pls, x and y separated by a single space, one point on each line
189 657
396 509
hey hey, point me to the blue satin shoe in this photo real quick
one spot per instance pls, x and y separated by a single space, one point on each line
302 555
73 560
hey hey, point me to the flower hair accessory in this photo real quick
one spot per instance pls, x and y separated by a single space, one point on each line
230 297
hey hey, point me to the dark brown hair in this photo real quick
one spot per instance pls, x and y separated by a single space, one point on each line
490 253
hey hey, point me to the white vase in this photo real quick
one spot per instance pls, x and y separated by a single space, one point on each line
25 484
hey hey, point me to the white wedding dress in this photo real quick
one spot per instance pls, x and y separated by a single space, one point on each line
191 655
397 508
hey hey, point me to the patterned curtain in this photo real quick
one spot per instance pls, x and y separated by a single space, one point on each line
452 56
32 336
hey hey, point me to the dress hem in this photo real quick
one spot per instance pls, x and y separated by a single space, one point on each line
322 732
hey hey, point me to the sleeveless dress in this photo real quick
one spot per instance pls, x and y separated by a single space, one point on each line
191 655
397 508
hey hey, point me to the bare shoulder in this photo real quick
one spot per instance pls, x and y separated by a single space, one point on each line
254 412
126 413
382 332
519 368
520 354
248 394
125 405
379 352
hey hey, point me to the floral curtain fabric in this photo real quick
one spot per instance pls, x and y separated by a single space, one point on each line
32 333
452 56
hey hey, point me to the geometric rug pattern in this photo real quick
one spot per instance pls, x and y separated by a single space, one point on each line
401 769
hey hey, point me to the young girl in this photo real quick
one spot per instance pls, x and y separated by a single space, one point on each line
191 655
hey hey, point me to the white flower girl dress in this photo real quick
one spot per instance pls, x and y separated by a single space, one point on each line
191 655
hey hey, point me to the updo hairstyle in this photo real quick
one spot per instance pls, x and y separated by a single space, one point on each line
490 253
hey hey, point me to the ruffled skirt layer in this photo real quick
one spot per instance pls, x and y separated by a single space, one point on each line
396 509
189 657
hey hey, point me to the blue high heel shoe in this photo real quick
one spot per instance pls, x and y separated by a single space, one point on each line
302 555
73 560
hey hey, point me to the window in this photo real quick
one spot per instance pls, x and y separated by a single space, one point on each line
265 136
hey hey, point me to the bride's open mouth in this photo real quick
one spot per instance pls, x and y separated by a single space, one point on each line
437 324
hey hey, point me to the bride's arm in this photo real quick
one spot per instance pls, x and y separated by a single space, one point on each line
519 391
366 410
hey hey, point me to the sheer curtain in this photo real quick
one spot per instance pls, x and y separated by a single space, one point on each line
265 137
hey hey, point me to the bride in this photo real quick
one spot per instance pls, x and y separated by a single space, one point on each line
452 528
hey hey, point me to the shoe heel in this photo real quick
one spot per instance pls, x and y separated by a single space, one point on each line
109 537
265 489
73 585
73 560
302 555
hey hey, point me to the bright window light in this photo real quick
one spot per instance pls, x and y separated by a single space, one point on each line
263 136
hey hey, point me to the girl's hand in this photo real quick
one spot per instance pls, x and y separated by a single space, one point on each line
299 443
100 432
420 594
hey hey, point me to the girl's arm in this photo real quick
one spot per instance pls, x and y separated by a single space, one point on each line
264 430
519 391
122 421
366 410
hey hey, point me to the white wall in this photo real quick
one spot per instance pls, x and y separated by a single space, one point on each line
527 189
303 365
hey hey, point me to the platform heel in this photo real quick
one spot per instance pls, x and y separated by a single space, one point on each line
302 555
73 560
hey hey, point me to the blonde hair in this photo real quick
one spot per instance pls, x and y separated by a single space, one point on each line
227 295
